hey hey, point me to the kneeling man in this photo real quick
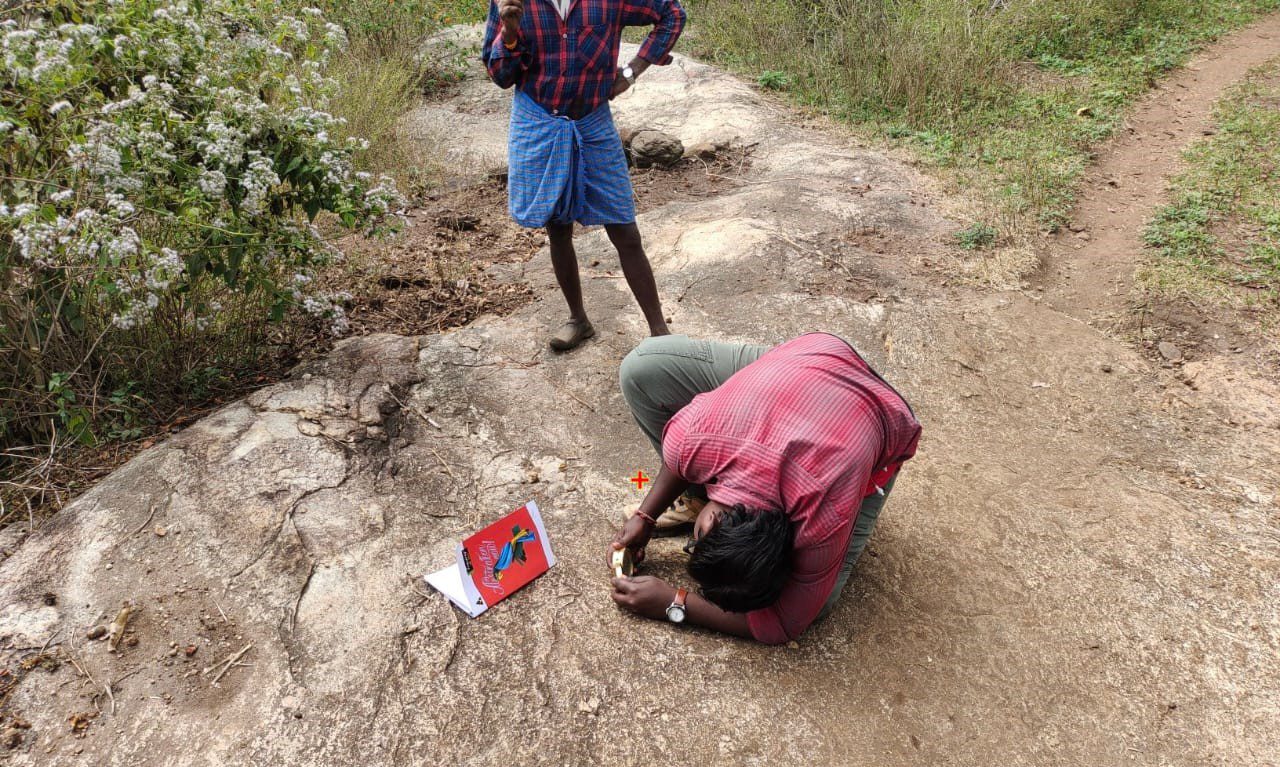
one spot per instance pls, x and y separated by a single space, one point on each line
784 458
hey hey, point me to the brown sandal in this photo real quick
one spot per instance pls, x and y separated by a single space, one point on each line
571 334
677 519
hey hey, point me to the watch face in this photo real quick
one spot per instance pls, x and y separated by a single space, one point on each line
675 614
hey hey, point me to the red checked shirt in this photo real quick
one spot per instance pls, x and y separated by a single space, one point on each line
568 65
810 429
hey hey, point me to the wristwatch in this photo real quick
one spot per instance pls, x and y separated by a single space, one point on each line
675 610
629 74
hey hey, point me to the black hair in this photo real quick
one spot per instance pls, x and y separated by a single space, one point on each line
743 563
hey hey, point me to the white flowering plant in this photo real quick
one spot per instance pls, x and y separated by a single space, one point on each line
161 166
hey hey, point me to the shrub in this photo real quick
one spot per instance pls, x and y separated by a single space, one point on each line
164 163
976 236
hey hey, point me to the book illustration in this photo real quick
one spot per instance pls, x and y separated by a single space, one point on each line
496 561
513 550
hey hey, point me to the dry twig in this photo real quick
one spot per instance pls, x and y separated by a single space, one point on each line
443 463
146 521
228 663
580 400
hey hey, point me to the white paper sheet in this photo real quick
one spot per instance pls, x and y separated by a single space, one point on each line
449 582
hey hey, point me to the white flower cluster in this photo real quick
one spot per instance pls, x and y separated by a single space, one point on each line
179 146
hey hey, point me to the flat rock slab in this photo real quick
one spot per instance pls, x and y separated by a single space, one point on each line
1078 573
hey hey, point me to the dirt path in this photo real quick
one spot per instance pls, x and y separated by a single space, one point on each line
1088 270
1081 567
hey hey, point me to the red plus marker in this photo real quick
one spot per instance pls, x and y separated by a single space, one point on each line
639 479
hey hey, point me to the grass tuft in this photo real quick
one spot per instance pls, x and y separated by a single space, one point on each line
1005 99
1218 240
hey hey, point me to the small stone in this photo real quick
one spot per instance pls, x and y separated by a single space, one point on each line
1084 112
97 632
1040 385
109 565
531 477
189 650
1169 351
1106 368
160 531
173 652
703 150
651 148
794 645
590 705
12 738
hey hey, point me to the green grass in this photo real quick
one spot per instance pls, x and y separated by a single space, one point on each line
1218 240
385 70
1008 104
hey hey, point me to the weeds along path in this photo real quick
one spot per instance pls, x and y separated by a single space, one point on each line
1079 568
1089 267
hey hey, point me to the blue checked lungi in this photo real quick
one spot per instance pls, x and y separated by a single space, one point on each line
562 170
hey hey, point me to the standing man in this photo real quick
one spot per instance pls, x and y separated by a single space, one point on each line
796 448
566 161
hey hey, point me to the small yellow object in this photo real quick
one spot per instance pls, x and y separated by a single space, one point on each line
623 564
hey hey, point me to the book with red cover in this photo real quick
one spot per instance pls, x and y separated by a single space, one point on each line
497 561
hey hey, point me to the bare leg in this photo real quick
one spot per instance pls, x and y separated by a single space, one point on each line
635 267
565 262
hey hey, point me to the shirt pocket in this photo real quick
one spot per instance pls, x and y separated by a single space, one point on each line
595 47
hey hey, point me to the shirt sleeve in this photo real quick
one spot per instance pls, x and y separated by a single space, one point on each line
667 18
506 66
675 436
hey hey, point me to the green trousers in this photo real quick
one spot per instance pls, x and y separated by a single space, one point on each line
665 373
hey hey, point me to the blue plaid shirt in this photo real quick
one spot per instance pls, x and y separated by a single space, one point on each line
568 65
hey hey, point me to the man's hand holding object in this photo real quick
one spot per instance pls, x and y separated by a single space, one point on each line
510 12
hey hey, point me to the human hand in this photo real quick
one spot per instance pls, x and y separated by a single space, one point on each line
620 85
646 595
510 13
634 535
